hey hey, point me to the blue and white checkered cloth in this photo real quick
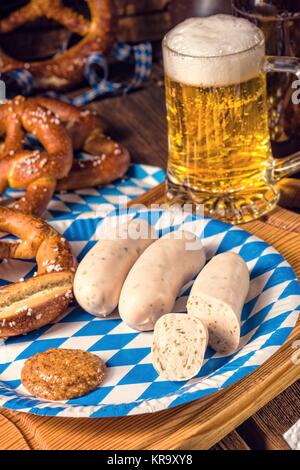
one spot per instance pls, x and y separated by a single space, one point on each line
140 55
132 385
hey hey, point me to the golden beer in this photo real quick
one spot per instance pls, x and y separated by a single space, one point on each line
219 141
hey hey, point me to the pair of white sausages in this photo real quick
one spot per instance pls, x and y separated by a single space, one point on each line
144 276
216 302
141 274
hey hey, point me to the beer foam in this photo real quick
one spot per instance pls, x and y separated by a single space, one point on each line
218 50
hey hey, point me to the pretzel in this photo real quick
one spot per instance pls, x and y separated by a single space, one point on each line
61 128
108 159
66 69
34 170
32 303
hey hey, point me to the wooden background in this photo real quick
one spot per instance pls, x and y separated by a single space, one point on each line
139 20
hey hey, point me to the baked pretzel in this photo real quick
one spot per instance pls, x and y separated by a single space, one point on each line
66 69
61 128
32 303
108 160
34 170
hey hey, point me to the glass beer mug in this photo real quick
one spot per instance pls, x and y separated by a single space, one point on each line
219 140
280 22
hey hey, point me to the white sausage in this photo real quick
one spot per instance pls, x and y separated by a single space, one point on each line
102 272
157 277
179 345
217 298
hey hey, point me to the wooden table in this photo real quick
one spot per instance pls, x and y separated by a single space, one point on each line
138 120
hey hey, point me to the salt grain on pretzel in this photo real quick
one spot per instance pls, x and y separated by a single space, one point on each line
32 303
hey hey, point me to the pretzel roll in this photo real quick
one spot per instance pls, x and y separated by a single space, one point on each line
66 69
30 304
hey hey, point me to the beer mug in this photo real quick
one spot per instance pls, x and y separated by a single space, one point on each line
280 22
219 141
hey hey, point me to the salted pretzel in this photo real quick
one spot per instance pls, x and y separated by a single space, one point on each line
34 170
32 303
60 128
108 160
66 69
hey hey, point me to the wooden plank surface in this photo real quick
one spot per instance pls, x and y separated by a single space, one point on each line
146 27
133 7
10 436
232 442
138 120
264 430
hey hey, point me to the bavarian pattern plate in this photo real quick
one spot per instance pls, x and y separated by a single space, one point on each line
132 385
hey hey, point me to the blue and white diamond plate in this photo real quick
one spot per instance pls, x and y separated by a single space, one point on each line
132 386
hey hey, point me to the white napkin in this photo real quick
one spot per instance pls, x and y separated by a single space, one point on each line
292 436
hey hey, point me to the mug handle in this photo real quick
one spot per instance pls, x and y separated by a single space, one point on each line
290 165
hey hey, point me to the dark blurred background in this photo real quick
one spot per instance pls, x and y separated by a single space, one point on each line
181 9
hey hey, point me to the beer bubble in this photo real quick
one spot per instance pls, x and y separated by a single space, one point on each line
218 50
